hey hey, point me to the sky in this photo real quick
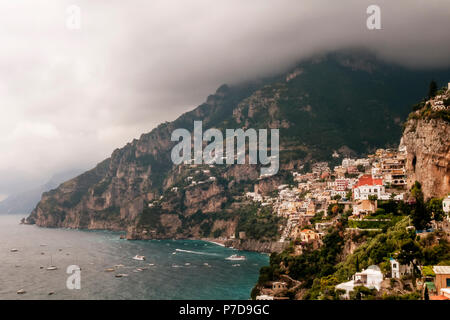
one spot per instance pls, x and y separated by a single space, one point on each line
69 96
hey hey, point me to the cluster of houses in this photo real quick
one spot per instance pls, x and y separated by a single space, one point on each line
437 103
437 284
356 184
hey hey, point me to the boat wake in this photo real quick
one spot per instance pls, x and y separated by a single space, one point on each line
196 252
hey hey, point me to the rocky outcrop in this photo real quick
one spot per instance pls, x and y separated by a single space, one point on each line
427 143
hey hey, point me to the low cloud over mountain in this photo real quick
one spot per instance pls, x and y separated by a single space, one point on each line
69 97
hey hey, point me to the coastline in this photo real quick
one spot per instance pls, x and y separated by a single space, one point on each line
251 245
218 242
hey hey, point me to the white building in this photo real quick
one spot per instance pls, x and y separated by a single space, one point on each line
398 269
370 278
363 162
348 162
264 297
368 186
446 204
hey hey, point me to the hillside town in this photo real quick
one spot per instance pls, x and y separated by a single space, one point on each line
440 101
356 186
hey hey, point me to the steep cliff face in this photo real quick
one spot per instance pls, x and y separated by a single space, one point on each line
138 189
427 142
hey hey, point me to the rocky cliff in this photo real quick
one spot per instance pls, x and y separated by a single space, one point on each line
427 141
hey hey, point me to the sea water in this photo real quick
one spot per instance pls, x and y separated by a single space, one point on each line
181 269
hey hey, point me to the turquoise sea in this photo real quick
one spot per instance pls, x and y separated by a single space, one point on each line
182 269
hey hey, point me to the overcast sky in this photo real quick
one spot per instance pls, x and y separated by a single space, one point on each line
68 98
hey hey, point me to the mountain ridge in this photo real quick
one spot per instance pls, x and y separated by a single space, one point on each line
345 111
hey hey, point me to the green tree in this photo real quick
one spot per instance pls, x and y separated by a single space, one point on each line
410 253
434 206
447 102
432 90
420 216
361 292
416 191
349 195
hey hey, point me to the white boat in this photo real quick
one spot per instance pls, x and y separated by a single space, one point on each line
14 250
139 258
235 257
51 267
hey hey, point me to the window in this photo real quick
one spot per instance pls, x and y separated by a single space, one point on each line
448 282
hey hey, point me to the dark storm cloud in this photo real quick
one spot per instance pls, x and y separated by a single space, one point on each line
69 97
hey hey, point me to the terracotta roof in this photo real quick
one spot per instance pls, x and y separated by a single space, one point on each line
368 180
439 298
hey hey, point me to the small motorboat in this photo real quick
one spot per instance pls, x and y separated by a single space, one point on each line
14 250
121 275
235 257
139 258
21 291
110 270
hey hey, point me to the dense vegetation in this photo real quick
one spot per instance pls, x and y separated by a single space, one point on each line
258 222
